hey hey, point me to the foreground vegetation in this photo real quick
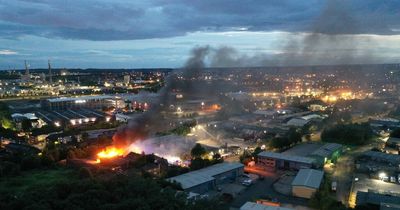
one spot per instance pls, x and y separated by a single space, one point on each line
68 189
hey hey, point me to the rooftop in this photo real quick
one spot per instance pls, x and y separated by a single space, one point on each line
203 175
308 178
393 140
286 157
63 99
376 198
327 149
256 206
383 156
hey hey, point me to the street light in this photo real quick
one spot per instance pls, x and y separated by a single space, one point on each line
382 175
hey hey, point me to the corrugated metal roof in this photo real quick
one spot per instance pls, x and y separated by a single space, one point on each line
256 206
376 198
62 99
309 178
203 175
327 149
383 156
281 156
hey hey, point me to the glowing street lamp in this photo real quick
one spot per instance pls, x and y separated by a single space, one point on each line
382 175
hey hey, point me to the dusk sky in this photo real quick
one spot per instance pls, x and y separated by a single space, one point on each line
160 33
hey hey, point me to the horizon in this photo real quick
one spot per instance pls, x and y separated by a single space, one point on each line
313 32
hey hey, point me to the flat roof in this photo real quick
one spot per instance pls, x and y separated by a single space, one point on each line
312 116
393 140
389 206
327 149
383 156
204 175
376 198
255 206
62 99
308 178
281 156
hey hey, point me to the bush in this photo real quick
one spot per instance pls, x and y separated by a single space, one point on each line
85 172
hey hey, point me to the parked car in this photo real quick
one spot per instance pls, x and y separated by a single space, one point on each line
247 182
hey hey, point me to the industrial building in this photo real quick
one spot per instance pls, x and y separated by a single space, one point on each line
382 157
273 160
257 206
378 200
206 179
71 117
306 182
393 142
327 153
390 123
92 102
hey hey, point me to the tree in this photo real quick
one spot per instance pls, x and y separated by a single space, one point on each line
5 117
197 151
294 136
352 134
256 151
395 133
85 172
26 125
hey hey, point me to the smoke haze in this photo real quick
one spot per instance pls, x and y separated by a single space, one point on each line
329 42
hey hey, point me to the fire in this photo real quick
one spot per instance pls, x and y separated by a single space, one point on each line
110 153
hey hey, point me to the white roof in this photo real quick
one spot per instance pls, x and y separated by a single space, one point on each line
30 116
297 122
256 206
308 178
204 175
281 156
62 99
312 116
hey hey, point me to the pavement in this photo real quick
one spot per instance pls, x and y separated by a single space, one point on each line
365 183
264 189
344 173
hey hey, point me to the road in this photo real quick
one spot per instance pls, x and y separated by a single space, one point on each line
343 176
344 172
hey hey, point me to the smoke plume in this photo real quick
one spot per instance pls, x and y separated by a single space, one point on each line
140 127
331 40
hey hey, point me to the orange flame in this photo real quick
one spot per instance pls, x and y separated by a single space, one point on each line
110 153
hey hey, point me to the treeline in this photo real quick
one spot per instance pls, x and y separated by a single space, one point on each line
292 137
199 160
351 134
119 192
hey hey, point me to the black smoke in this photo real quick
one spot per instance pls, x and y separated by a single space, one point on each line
185 80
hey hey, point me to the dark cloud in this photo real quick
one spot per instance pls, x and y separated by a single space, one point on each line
127 20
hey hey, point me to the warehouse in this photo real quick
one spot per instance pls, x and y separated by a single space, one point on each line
382 157
206 179
273 160
257 206
377 199
92 102
329 152
306 183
